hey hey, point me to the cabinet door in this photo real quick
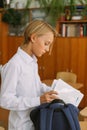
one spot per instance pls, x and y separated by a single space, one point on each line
13 43
71 56
78 62
78 57
0 40
62 54
4 118
47 65
85 79
3 42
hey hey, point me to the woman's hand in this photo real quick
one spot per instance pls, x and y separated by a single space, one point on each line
48 96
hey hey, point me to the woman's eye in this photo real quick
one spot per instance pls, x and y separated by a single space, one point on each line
47 44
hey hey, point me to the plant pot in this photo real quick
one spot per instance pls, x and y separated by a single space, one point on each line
14 30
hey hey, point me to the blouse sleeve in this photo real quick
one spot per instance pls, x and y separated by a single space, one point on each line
45 88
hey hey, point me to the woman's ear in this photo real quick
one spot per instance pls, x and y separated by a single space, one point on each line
33 38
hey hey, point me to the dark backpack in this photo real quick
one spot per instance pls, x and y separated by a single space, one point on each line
55 116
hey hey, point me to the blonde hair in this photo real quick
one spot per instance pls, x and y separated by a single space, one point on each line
39 27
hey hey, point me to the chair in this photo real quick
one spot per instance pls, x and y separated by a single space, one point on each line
2 125
67 77
83 113
83 125
2 128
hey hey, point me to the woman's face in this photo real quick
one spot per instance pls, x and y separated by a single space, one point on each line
41 44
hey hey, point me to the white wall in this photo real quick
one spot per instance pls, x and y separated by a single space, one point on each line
34 3
21 1
24 1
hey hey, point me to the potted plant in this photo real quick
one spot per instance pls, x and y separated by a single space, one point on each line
52 7
55 8
13 18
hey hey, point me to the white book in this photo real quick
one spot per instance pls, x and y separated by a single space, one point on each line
67 93
71 30
63 30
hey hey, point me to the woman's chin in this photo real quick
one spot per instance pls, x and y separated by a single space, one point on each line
39 55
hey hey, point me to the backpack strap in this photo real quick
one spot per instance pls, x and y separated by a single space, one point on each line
47 114
70 112
71 116
74 110
46 118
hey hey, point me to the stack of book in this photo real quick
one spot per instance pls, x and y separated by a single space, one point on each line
73 30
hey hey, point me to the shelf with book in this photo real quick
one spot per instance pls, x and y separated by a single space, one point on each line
72 28
71 51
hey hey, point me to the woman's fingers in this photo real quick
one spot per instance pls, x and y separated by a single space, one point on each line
52 92
48 96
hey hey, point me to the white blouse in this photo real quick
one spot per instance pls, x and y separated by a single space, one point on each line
21 89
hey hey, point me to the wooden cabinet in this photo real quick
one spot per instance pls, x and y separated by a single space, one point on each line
0 35
4 44
72 28
4 118
3 41
71 56
71 51
13 43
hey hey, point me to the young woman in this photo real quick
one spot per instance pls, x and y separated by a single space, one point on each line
21 88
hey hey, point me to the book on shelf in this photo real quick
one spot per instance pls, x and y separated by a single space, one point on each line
73 30
81 30
63 32
84 29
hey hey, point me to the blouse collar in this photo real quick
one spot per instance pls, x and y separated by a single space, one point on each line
26 57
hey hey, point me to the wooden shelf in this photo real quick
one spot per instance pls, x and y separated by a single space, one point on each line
73 21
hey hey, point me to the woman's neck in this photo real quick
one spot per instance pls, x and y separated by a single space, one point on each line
27 48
